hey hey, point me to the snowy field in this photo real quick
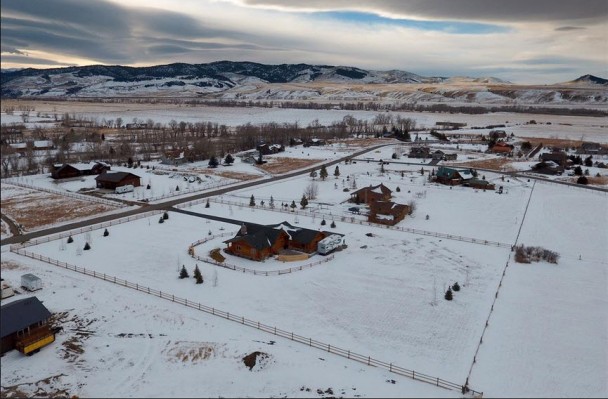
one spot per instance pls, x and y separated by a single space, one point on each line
382 296
549 126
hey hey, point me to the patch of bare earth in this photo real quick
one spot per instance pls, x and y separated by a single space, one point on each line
237 175
498 164
9 265
33 209
550 142
191 352
45 388
283 165
592 180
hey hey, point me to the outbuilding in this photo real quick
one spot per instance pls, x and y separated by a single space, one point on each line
31 282
117 179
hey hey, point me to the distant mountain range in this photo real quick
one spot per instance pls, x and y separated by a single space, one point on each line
249 80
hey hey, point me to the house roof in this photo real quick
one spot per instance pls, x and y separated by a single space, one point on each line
20 314
263 236
114 177
379 189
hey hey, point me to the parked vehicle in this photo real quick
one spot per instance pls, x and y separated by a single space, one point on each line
329 244
124 189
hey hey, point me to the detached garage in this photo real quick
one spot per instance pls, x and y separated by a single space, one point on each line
117 179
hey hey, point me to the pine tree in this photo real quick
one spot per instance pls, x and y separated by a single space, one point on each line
207 204
398 189
252 200
333 224
448 295
106 233
148 186
323 222
293 205
165 215
177 188
198 276
271 204
183 273
213 162
87 246
323 173
70 240
337 171
303 201
456 287
229 160
161 220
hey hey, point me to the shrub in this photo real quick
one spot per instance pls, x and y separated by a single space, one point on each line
323 222
333 224
87 246
70 240
525 254
456 287
148 187
398 189
106 233
198 276
448 295
207 204
183 273
582 180
161 220
165 215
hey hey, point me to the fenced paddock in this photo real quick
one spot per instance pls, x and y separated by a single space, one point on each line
255 272
367 360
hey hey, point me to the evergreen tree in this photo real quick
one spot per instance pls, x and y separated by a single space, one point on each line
578 171
582 180
183 273
333 224
456 286
303 201
293 205
323 222
252 200
337 171
398 189
198 276
87 246
271 204
313 174
177 188
229 160
106 233
207 204
589 161
148 186
213 162
323 173
448 295
161 220
70 240
165 215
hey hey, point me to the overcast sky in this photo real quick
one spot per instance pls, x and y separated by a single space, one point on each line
523 41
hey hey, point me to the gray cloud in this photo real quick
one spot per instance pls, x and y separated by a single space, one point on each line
22 59
468 10
568 28
107 32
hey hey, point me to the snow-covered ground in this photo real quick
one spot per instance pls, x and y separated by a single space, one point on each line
378 296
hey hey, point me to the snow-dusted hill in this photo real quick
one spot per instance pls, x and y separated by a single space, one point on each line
252 81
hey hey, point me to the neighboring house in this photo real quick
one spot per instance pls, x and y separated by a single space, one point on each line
497 134
267 149
548 168
502 148
387 212
131 126
419 152
258 242
117 179
438 155
295 141
78 169
450 125
479 184
560 158
370 194
592 149
450 157
25 326
452 177
314 142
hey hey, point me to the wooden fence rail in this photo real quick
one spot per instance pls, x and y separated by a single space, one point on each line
66 193
86 229
391 367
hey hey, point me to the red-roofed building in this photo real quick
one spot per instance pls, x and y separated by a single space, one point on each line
371 194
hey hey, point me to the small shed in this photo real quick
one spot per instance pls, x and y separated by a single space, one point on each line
24 326
7 290
31 282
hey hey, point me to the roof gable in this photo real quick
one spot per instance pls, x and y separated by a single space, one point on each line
20 314
114 177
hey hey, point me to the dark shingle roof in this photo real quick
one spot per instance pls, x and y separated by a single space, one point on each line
20 314
114 177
